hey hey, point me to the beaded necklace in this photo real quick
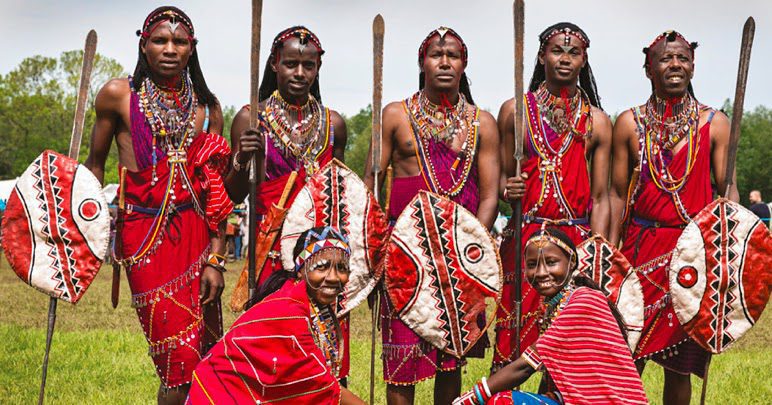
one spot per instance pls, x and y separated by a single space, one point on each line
660 134
424 132
576 127
551 308
307 138
325 330
440 122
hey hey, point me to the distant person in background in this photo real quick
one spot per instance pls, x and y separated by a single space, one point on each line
759 207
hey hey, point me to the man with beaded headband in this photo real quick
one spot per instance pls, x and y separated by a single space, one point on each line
166 122
564 180
664 152
286 348
582 344
436 140
296 132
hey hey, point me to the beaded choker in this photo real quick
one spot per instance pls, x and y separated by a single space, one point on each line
674 117
442 123
551 308
300 135
565 114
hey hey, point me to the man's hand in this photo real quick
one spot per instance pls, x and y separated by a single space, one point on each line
212 284
515 188
251 141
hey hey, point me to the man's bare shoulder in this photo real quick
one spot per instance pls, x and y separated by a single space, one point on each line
115 89
393 110
507 107
599 117
336 118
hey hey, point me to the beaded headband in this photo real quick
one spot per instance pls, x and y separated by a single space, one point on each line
671 36
328 239
543 237
173 18
568 33
303 34
441 32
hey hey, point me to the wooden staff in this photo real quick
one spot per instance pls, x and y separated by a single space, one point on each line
749 30
254 100
517 210
77 133
378 31
116 291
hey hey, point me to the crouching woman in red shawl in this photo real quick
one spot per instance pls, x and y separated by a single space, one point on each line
581 350
286 348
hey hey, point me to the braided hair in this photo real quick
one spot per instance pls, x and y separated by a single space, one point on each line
586 78
270 83
669 36
142 70
463 87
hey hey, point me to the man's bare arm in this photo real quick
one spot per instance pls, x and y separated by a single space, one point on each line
599 178
236 182
489 169
506 128
390 119
341 135
719 139
621 147
108 117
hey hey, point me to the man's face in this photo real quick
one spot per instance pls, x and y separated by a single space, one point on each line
546 268
443 64
326 274
563 63
168 51
671 68
754 197
296 68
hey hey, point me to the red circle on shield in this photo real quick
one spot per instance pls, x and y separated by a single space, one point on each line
687 276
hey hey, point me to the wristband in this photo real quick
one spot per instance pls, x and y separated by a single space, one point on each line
217 261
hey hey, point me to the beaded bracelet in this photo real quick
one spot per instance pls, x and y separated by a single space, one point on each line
217 261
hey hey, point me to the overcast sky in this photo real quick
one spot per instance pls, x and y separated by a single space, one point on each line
617 29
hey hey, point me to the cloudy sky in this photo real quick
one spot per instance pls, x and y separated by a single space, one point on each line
618 30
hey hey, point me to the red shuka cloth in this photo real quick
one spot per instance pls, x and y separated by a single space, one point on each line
576 189
269 355
662 331
586 355
165 283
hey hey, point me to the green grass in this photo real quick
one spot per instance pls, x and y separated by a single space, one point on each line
99 355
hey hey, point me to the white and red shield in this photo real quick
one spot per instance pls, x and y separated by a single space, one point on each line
56 229
721 274
443 272
335 196
609 268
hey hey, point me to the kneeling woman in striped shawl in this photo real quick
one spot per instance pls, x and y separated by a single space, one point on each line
581 350
286 348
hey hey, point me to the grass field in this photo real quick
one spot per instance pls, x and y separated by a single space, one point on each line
99 355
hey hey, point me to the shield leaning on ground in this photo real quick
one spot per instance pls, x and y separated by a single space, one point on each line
721 274
443 272
335 196
57 204
609 268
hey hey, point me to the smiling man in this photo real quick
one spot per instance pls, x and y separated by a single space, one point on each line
564 180
664 153
436 140
166 122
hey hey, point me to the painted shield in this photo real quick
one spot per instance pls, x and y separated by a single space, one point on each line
335 196
609 268
443 272
721 274
56 229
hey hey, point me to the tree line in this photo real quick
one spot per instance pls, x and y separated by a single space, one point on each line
37 103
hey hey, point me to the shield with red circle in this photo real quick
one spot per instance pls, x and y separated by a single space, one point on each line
56 228
721 274
443 272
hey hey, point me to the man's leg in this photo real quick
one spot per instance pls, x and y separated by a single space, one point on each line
400 394
173 396
447 386
678 388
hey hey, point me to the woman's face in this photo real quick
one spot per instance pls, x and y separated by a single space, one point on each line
326 274
546 267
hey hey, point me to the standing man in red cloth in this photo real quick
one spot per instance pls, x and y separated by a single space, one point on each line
436 140
166 122
564 180
664 153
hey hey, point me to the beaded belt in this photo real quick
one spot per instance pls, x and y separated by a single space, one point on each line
510 232
647 223
153 211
